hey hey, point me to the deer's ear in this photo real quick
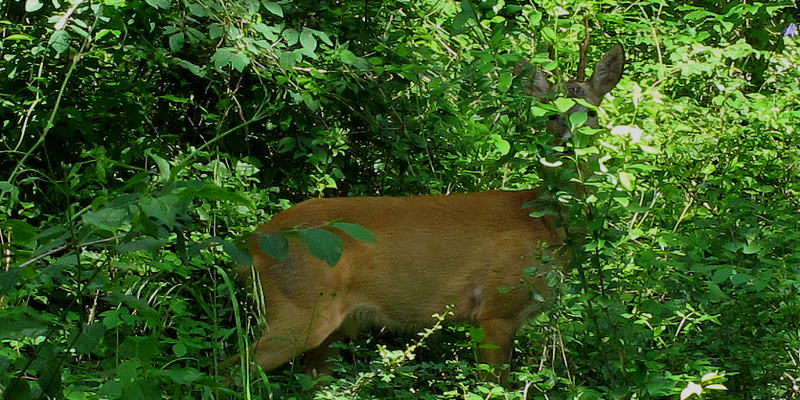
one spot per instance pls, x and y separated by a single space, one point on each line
539 86
608 70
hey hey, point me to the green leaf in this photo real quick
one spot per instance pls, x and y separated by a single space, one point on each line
740 279
752 248
163 165
626 180
308 42
722 274
236 253
89 339
549 35
273 7
291 36
109 219
355 231
159 4
59 41
163 208
33 5
239 61
19 36
323 244
193 68
21 231
176 41
348 57
222 57
563 104
183 376
179 349
275 245
198 10
504 81
501 145
577 119
210 191
287 59
324 37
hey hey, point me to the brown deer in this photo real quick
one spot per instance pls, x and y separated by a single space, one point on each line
481 253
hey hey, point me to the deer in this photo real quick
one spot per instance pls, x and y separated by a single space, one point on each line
481 254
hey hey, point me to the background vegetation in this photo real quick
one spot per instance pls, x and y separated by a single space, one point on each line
141 138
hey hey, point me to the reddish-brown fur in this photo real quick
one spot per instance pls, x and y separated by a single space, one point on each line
479 252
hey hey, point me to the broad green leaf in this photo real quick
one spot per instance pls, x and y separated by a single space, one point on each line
740 279
59 41
179 349
211 191
159 4
752 248
109 219
715 291
275 245
222 57
176 41
549 35
273 7
287 59
236 253
21 231
286 144
348 57
324 37
183 376
164 208
291 36
89 338
502 145
355 231
105 32
563 104
504 81
33 5
198 10
323 244
215 31
239 61
626 180
193 68
163 165
308 41
722 274
577 119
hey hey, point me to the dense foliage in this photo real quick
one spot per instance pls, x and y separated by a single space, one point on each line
140 139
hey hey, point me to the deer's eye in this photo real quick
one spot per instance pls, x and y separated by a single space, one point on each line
592 114
552 117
